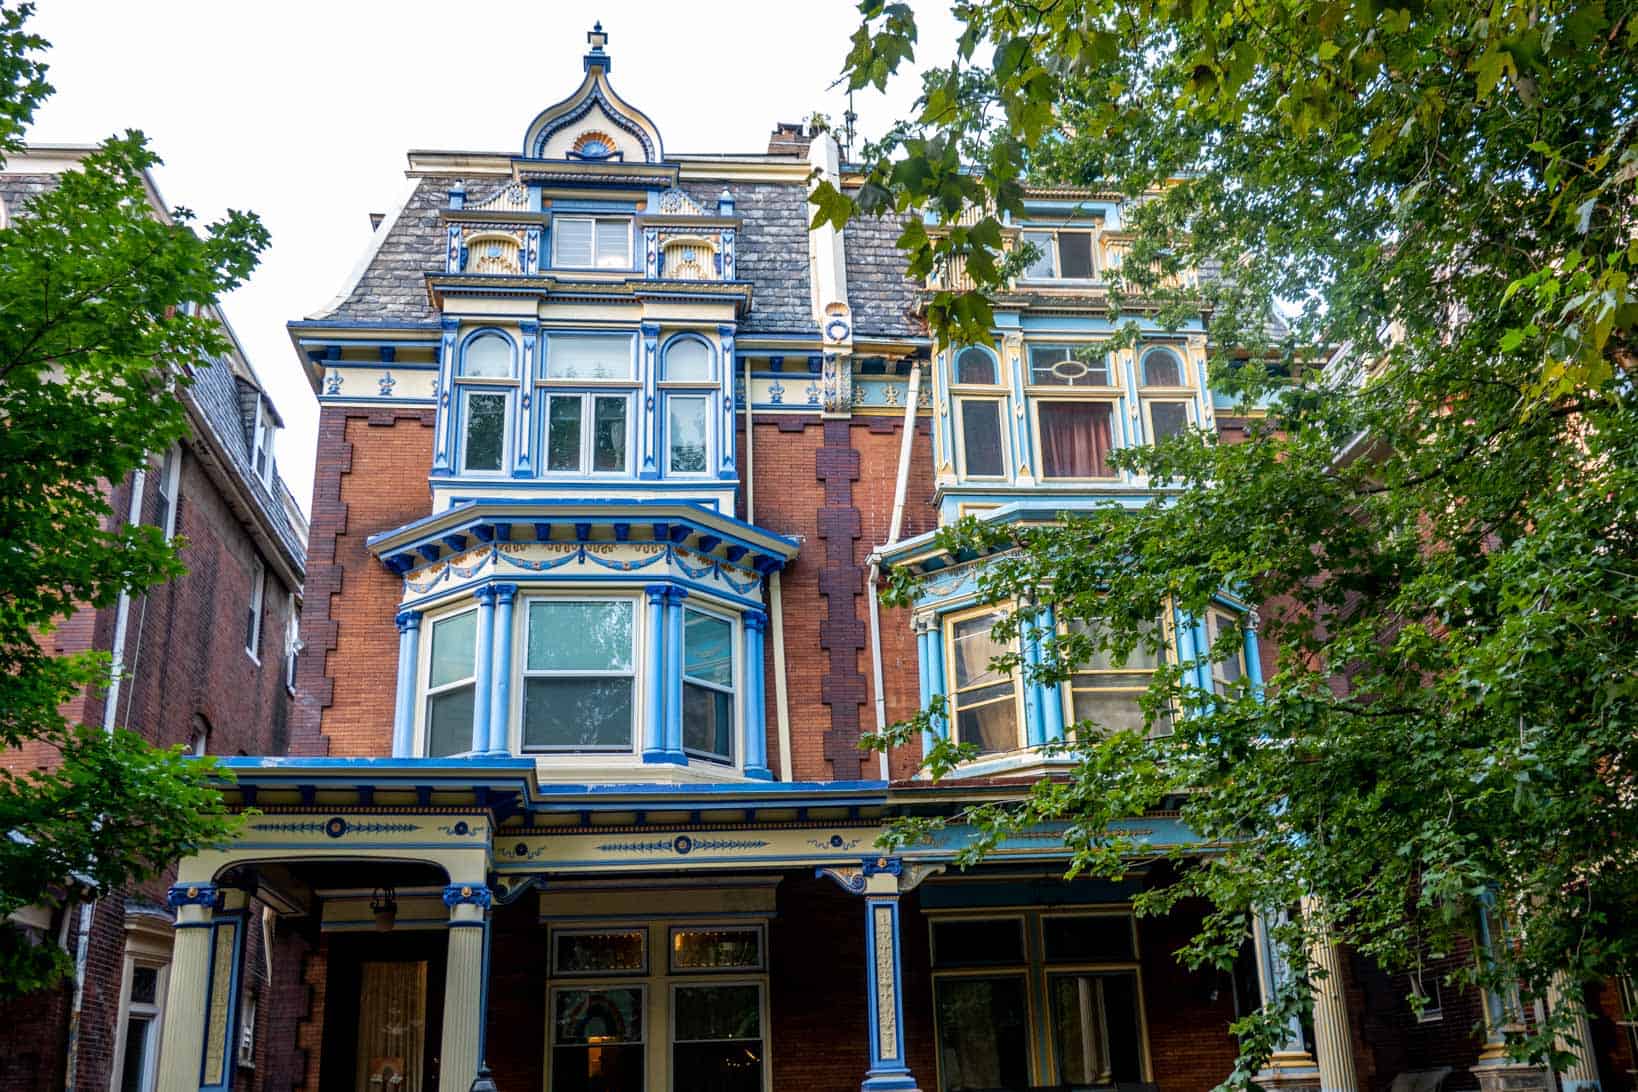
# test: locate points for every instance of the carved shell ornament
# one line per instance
(594, 144)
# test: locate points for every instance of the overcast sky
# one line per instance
(302, 111)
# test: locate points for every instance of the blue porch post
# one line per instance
(674, 597)
(1052, 698)
(403, 715)
(756, 721)
(500, 703)
(923, 677)
(485, 670)
(935, 674)
(654, 703)
(1034, 723)
(1254, 657)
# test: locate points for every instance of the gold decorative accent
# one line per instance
(597, 135)
(887, 1016)
(221, 979)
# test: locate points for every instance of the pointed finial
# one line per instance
(598, 40)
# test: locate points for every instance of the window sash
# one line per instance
(583, 443)
(1181, 428)
(972, 431)
(1157, 354)
(1069, 366)
(589, 358)
(699, 370)
(591, 242)
(984, 691)
(1225, 674)
(698, 414)
(479, 359)
(1045, 266)
(1057, 457)
(470, 395)
(613, 683)
(975, 353)
(253, 616)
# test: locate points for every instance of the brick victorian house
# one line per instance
(609, 446)
(205, 662)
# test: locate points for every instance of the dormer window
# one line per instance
(1060, 255)
(591, 242)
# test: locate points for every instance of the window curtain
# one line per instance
(392, 1014)
(1075, 439)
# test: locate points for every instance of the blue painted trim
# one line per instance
(409, 643)
(612, 578)
(500, 706)
(756, 721)
(1052, 697)
(654, 721)
(484, 668)
(233, 922)
(937, 680)
(884, 1073)
(673, 674)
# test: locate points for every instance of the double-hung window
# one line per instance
(689, 389)
(1069, 981)
(984, 700)
(591, 242)
(170, 489)
(578, 675)
(1063, 254)
(1106, 692)
(485, 382)
(981, 417)
(253, 609)
(1075, 398)
(708, 686)
(589, 388)
(451, 684)
(292, 643)
(1167, 397)
(139, 1060)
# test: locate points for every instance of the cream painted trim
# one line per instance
(744, 170)
(148, 944)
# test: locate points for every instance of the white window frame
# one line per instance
(1051, 252)
(423, 677)
(626, 263)
(585, 465)
(667, 396)
(735, 669)
(256, 609)
(466, 394)
(261, 456)
(144, 949)
(635, 673)
(170, 485)
(1004, 437)
(292, 643)
(952, 689)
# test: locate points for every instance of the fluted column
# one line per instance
(463, 985)
(500, 703)
(182, 1042)
(1333, 1045)
(485, 670)
(654, 691)
(403, 716)
(1290, 1066)
(1582, 1074)
(1496, 1071)
(756, 721)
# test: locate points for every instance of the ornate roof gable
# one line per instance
(594, 124)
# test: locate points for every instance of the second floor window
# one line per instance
(451, 684)
(591, 242)
(253, 610)
(708, 686)
(688, 383)
(485, 384)
(1060, 255)
(1106, 692)
(983, 700)
(590, 386)
(1167, 397)
(578, 675)
(1074, 396)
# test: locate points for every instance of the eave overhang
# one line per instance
(586, 290)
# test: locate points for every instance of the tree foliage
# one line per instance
(96, 345)
(1436, 512)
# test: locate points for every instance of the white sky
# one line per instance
(302, 111)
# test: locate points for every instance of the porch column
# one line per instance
(1582, 1073)
(485, 671)
(500, 702)
(924, 668)
(464, 983)
(403, 717)
(182, 1041)
(654, 690)
(1496, 1071)
(936, 683)
(756, 726)
(1332, 1042)
(674, 597)
(1291, 1066)
(1034, 725)
(1052, 697)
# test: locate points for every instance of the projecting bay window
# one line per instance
(451, 684)
(591, 242)
(579, 675)
(1075, 401)
(708, 686)
(984, 701)
(1069, 981)
(589, 391)
(485, 386)
(1063, 254)
(1168, 399)
(1104, 693)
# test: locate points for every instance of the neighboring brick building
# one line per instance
(608, 443)
(203, 662)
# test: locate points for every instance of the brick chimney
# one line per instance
(789, 138)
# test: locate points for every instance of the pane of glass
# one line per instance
(981, 439)
(708, 648)
(974, 649)
(449, 722)
(706, 1013)
(609, 434)
(135, 1066)
(563, 434)
(708, 721)
(565, 635)
(454, 644)
(1075, 254)
(993, 728)
(597, 1069)
(974, 365)
(390, 1014)
(1089, 938)
(686, 421)
(572, 241)
(688, 361)
(1111, 710)
(597, 1016)
(485, 431)
(580, 953)
(571, 356)
(614, 244)
(1041, 267)
(1095, 1028)
(963, 943)
(488, 357)
(578, 714)
(1226, 672)
(144, 985)
(1075, 439)
(1162, 368)
(1141, 658)
(1068, 366)
(982, 1037)
(1168, 419)
(728, 1066)
(716, 949)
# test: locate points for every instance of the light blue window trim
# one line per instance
(1024, 431)
(500, 703)
(409, 652)
(457, 390)
(725, 419)
(654, 699)
(1052, 695)
(485, 669)
(756, 720)
(648, 429)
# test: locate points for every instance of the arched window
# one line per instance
(687, 360)
(484, 391)
(487, 357)
(975, 365)
(1162, 368)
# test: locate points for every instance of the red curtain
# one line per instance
(1075, 439)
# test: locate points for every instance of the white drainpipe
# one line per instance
(905, 440)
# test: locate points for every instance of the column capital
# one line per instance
(656, 592)
(675, 594)
(193, 894)
(485, 595)
(408, 620)
(505, 593)
(467, 894)
(756, 621)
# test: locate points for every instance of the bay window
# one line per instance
(591, 242)
(579, 675)
(708, 686)
(451, 684)
(1074, 397)
(1167, 397)
(984, 701)
(1074, 986)
(485, 383)
(1060, 255)
(1106, 692)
